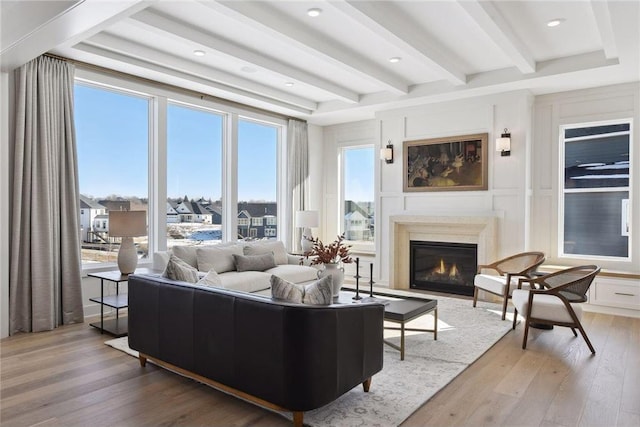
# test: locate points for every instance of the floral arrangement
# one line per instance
(333, 253)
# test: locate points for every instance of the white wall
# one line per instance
(552, 111)
(4, 204)
(508, 177)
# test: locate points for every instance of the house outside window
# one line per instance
(256, 222)
(358, 207)
(595, 180)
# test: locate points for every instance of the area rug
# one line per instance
(464, 334)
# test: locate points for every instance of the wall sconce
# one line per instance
(503, 144)
(386, 153)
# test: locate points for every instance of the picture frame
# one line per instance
(453, 163)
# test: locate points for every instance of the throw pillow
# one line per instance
(254, 262)
(211, 279)
(316, 293)
(275, 247)
(177, 269)
(218, 258)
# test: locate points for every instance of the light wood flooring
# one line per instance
(68, 377)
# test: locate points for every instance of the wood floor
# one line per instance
(68, 377)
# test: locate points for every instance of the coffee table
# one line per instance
(400, 309)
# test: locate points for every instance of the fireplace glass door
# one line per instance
(443, 267)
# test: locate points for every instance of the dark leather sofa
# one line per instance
(283, 356)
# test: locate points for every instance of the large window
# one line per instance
(357, 189)
(595, 190)
(257, 179)
(173, 155)
(112, 131)
(194, 175)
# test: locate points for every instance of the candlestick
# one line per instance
(357, 276)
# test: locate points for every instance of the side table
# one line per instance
(118, 326)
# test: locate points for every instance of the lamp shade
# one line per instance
(307, 219)
(127, 223)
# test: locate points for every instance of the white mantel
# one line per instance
(479, 230)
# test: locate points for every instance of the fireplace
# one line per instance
(443, 266)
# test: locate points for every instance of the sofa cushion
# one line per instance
(316, 293)
(219, 258)
(254, 262)
(188, 253)
(246, 281)
(211, 279)
(272, 246)
(177, 269)
(294, 273)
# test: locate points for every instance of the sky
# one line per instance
(112, 138)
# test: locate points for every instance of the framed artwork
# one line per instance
(454, 163)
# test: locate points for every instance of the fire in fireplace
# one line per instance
(443, 267)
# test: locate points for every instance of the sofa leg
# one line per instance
(143, 360)
(297, 418)
(366, 384)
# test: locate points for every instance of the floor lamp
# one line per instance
(127, 224)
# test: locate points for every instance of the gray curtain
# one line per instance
(297, 176)
(45, 264)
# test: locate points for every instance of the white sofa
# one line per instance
(220, 258)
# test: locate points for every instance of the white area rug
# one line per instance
(464, 334)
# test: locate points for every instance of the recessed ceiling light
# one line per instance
(555, 22)
(395, 59)
(199, 52)
(248, 69)
(288, 84)
(313, 12)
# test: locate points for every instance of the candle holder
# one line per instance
(357, 296)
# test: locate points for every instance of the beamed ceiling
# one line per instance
(335, 67)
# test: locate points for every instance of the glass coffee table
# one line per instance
(401, 310)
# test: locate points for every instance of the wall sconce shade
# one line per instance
(127, 224)
(503, 144)
(386, 153)
(306, 220)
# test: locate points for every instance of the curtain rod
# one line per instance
(171, 87)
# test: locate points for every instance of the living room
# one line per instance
(521, 193)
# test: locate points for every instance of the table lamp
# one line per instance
(127, 224)
(306, 220)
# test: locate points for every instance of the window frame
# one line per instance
(562, 191)
(159, 96)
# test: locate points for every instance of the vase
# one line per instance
(337, 277)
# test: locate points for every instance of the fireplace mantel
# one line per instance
(480, 230)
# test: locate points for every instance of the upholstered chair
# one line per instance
(555, 299)
(509, 270)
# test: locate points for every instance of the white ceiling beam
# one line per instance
(383, 19)
(126, 47)
(259, 15)
(160, 24)
(487, 16)
(219, 90)
(83, 19)
(566, 69)
(603, 21)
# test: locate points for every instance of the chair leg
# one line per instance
(575, 334)
(515, 317)
(504, 306)
(475, 295)
(526, 333)
(586, 338)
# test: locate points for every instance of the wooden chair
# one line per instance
(510, 269)
(554, 299)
